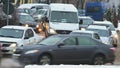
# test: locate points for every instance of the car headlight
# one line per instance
(52, 31)
(26, 25)
(31, 51)
(13, 45)
(37, 26)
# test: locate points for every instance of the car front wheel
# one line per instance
(44, 59)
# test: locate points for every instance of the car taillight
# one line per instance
(112, 49)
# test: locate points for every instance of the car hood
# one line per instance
(6, 39)
(105, 40)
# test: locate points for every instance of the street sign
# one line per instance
(8, 8)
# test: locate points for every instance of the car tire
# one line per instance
(44, 59)
(98, 60)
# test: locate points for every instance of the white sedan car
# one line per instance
(103, 31)
(16, 36)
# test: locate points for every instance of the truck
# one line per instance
(61, 18)
(12, 37)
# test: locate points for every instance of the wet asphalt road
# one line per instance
(10, 62)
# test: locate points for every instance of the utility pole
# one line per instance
(7, 12)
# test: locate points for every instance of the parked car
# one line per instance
(67, 49)
(105, 33)
(92, 34)
(17, 36)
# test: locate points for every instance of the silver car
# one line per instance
(92, 34)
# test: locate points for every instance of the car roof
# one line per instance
(97, 27)
(23, 14)
(84, 17)
(84, 31)
(69, 35)
(29, 6)
(102, 22)
(16, 27)
(62, 7)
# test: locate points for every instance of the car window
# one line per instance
(85, 41)
(101, 32)
(70, 41)
(96, 36)
(29, 33)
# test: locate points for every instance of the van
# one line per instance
(62, 18)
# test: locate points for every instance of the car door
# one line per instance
(32, 38)
(86, 48)
(28, 37)
(66, 52)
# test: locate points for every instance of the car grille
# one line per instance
(5, 50)
(63, 31)
(5, 44)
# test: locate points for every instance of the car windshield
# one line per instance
(25, 18)
(102, 33)
(50, 40)
(40, 12)
(23, 11)
(64, 17)
(12, 33)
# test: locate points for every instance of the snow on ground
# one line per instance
(72, 66)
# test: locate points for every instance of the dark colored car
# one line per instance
(25, 19)
(67, 49)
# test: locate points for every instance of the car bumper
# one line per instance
(7, 50)
(27, 59)
(110, 59)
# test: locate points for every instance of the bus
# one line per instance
(95, 10)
